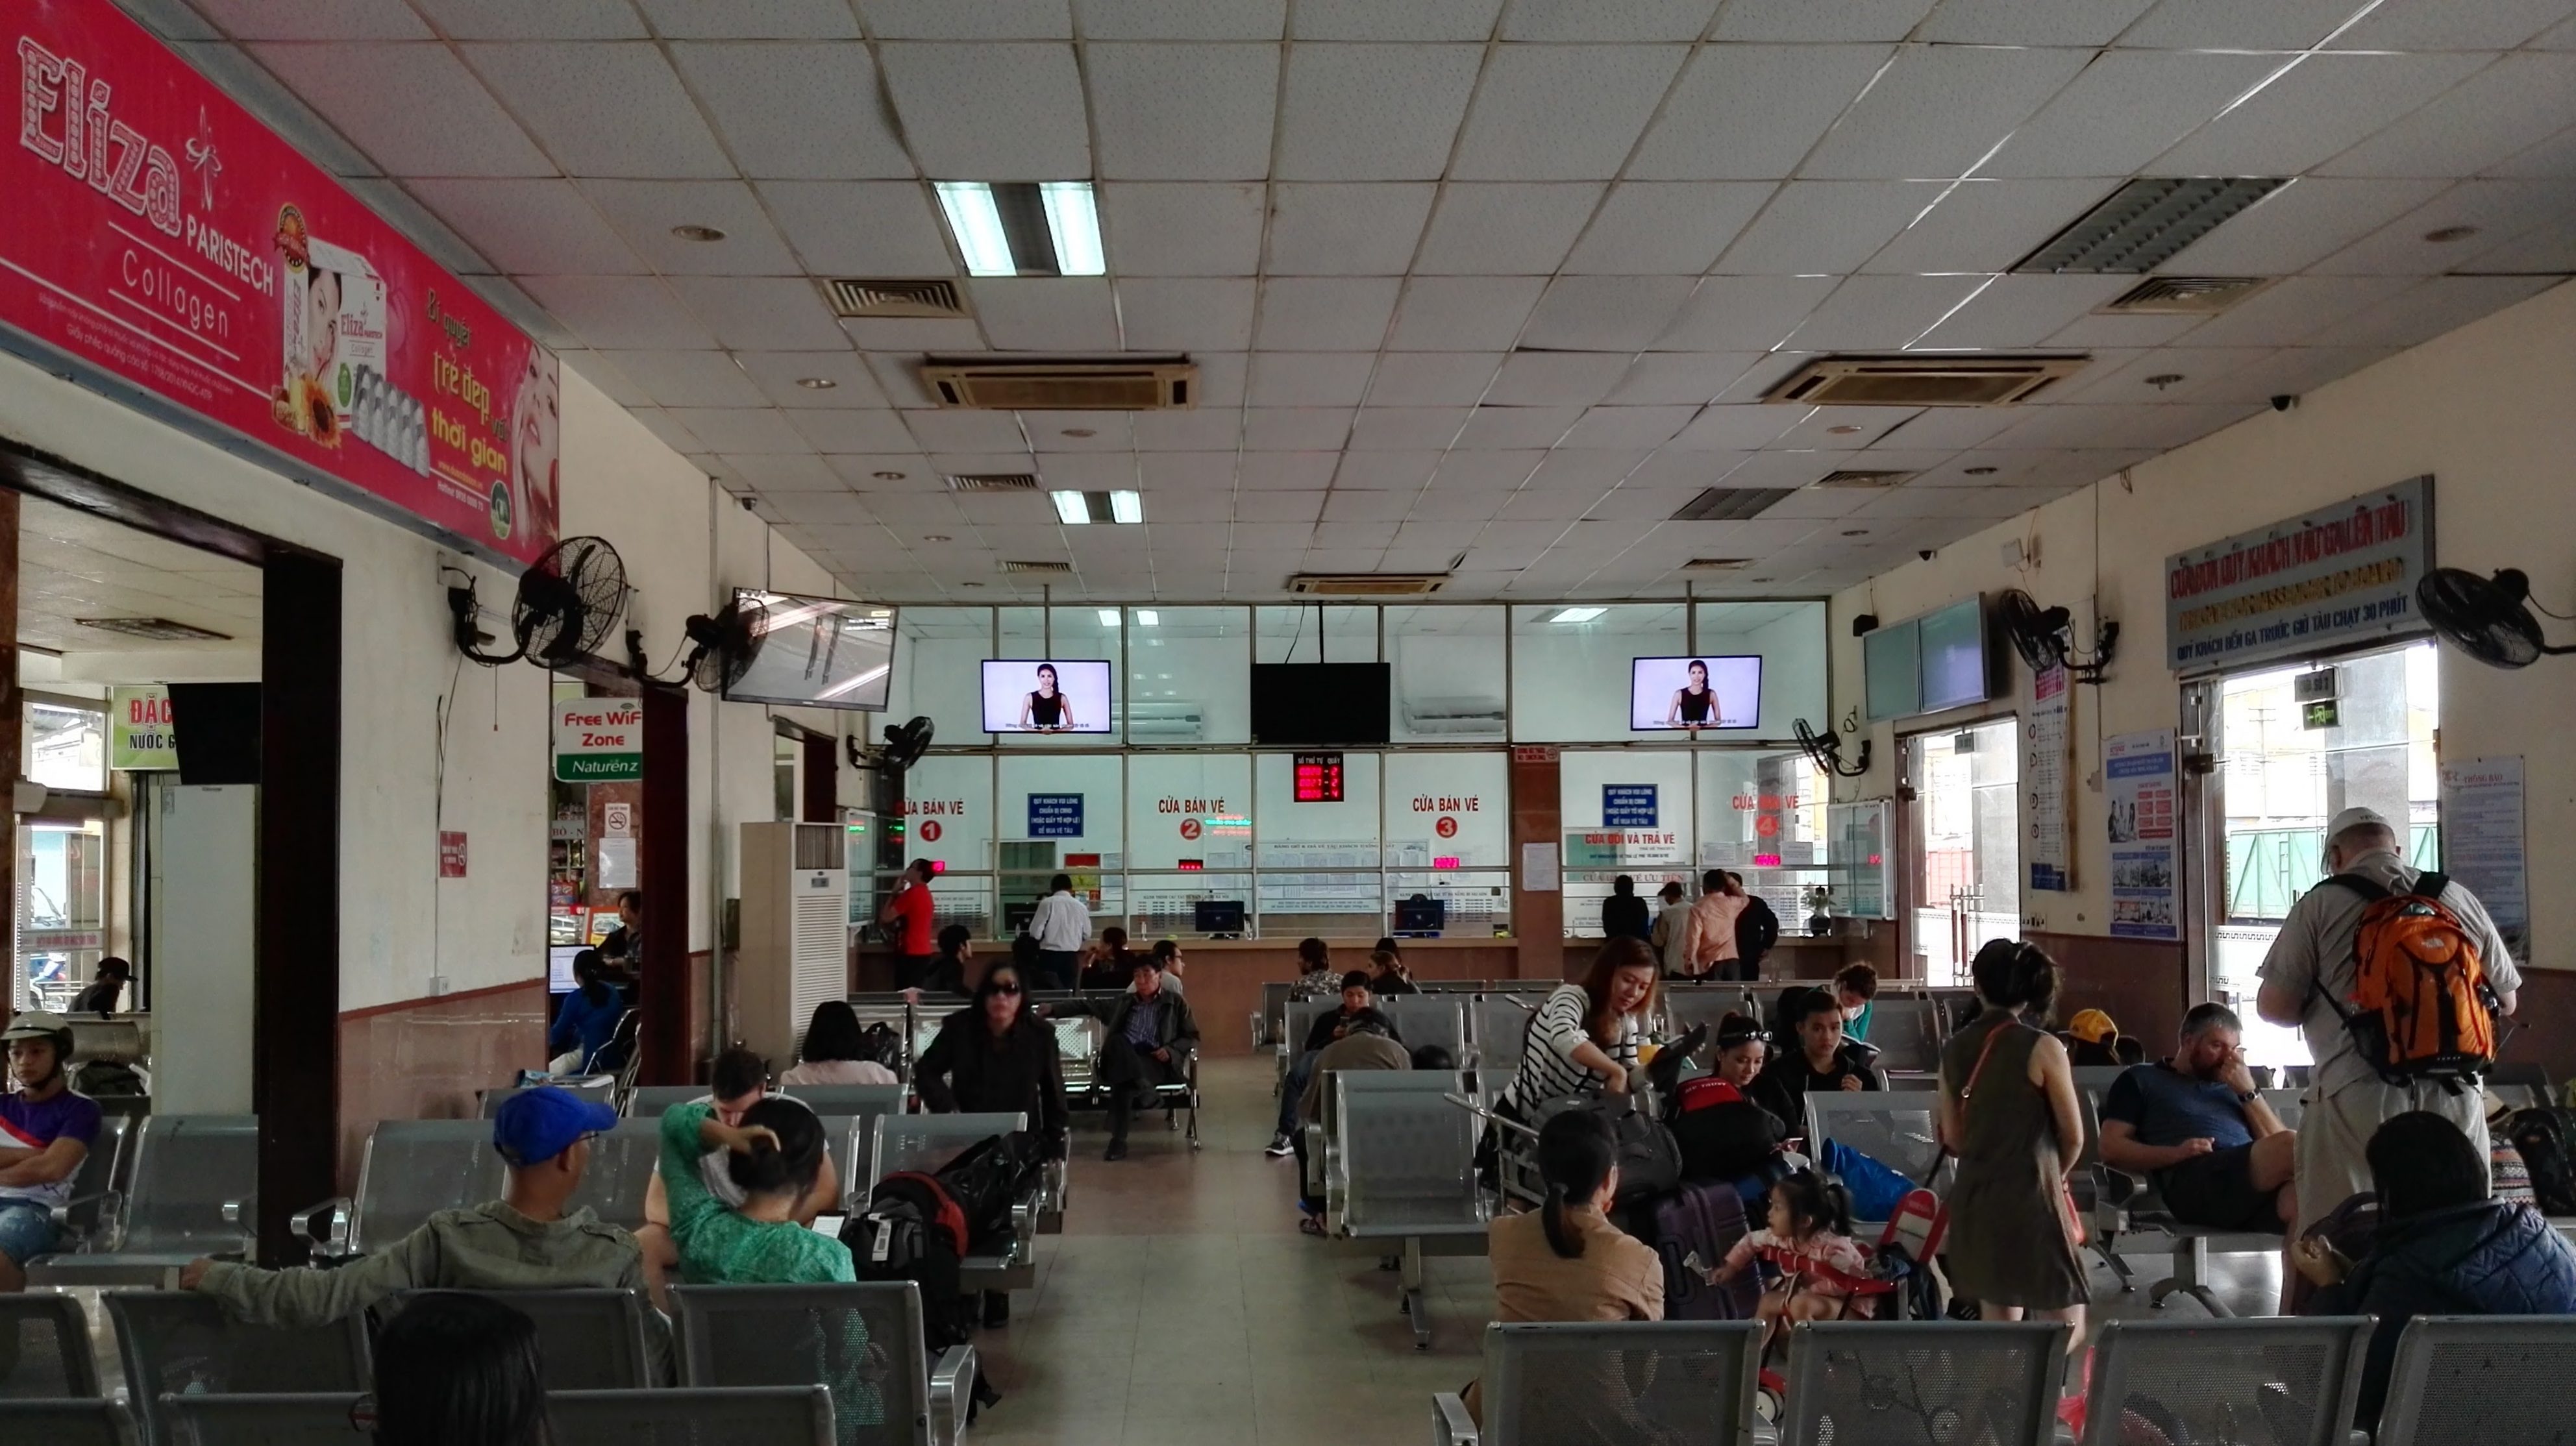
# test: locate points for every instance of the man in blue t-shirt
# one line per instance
(45, 1131)
(2196, 1126)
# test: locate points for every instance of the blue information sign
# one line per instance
(1628, 805)
(1055, 815)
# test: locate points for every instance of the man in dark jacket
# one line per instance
(1623, 914)
(2443, 1248)
(1756, 930)
(1151, 1037)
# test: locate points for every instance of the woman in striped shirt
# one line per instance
(1583, 1039)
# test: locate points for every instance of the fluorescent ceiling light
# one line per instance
(1075, 225)
(1126, 508)
(1147, 617)
(1578, 615)
(977, 225)
(1109, 617)
(1070, 509)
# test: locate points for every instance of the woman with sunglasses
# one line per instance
(994, 1055)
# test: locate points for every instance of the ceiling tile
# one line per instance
(2225, 25)
(757, 312)
(1183, 112)
(644, 213)
(1562, 112)
(1587, 22)
(1495, 428)
(2316, 110)
(338, 20)
(2498, 209)
(797, 111)
(596, 369)
(690, 379)
(1326, 313)
(2025, 310)
(984, 20)
(1552, 506)
(1655, 228)
(1505, 229)
(911, 469)
(1631, 502)
(1678, 378)
(864, 433)
(2435, 25)
(2431, 308)
(910, 334)
(2548, 247)
(990, 112)
(1826, 227)
(1589, 470)
(2555, 156)
(1735, 428)
(1180, 19)
(776, 472)
(1377, 20)
(1797, 20)
(1486, 471)
(1385, 471)
(1285, 471)
(1432, 379)
(602, 108)
(1310, 378)
(1751, 112)
(860, 228)
(2296, 309)
(614, 312)
(751, 19)
(529, 226)
(375, 93)
(740, 429)
(1375, 508)
(2094, 330)
(1182, 230)
(1552, 380)
(1088, 471)
(1186, 313)
(1047, 313)
(1295, 429)
(1988, 225)
(2029, 22)
(1606, 313)
(1373, 112)
(1346, 230)
(965, 431)
(1940, 109)
(1454, 505)
(518, 20)
(1464, 313)
(2299, 225)
(2124, 110)
(1402, 429)
(671, 433)
(2516, 103)
(1950, 427)
(1199, 429)
(1881, 313)
(1744, 313)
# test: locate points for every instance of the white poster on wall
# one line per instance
(1538, 868)
(2044, 766)
(2482, 842)
(2138, 769)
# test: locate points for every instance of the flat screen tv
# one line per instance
(1046, 695)
(1704, 692)
(1892, 671)
(1320, 704)
(817, 652)
(1956, 670)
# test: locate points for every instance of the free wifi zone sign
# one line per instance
(599, 740)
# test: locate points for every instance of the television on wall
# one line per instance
(1957, 670)
(1046, 695)
(816, 652)
(1702, 692)
(1321, 704)
(1892, 671)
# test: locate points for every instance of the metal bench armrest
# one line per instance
(110, 1204)
(952, 1391)
(1450, 1423)
(333, 1242)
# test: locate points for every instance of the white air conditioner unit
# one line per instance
(1473, 716)
(795, 950)
(1165, 720)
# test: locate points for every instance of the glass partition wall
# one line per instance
(1177, 805)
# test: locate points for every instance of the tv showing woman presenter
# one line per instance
(1695, 693)
(1031, 695)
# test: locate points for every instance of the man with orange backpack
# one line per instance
(2398, 979)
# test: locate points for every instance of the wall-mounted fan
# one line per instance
(722, 646)
(2045, 637)
(2485, 617)
(568, 601)
(905, 743)
(1826, 751)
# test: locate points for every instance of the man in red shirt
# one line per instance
(908, 927)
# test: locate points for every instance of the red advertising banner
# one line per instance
(159, 233)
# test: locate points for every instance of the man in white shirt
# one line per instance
(1061, 926)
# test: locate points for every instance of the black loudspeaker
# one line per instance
(1864, 625)
(217, 731)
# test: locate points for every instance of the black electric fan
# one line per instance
(723, 645)
(906, 742)
(1826, 750)
(2045, 637)
(2485, 617)
(568, 601)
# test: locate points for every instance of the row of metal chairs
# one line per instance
(787, 1415)
(153, 1193)
(862, 1344)
(2288, 1382)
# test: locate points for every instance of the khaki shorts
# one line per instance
(2334, 1136)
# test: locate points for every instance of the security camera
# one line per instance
(2285, 402)
(1925, 554)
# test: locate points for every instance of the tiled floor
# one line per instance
(1182, 1306)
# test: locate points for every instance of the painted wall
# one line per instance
(2485, 410)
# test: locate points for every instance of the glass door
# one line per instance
(62, 909)
(1967, 844)
(2286, 764)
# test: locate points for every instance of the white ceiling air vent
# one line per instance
(1728, 504)
(1128, 385)
(1052, 569)
(2185, 295)
(1716, 564)
(1854, 477)
(1367, 584)
(992, 482)
(159, 630)
(2142, 225)
(1454, 717)
(853, 296)
(1166, 720)
(1947, 380)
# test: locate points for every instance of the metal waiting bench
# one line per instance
(600, 1087)
(50, 1355)
(772, 1416)
(1424, 1019)
(191, 1190)
(1408, 1169)
(2129, 1207)
(843, 1337)
(180, 1345)
(1079, 1039)
(1894, 1127)
(590, 1339)
(1501, 1022)
(924, 1143)
(1994, 1383)
(1326, 1174)
(61, 1422)
(2208, 1380)
(1627, 1381)
(2460, 1379)
(412, 1169)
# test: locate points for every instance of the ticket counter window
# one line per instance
(1967, 845)
(2285, 767)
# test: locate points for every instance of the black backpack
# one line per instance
(2545, 1137)
(1650, 1163)
(987, 1177)
(878, 1043)
(900, 1237)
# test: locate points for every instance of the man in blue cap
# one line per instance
(522, 1241)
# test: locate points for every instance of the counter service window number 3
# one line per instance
(1319, 778)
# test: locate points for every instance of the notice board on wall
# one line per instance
(2045, 765)
(2482, 842)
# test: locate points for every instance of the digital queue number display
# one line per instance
(1319, 778)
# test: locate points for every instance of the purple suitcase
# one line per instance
(1703, 1218)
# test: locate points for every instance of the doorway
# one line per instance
(1966, 885)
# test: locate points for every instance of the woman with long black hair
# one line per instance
(994, 1056)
